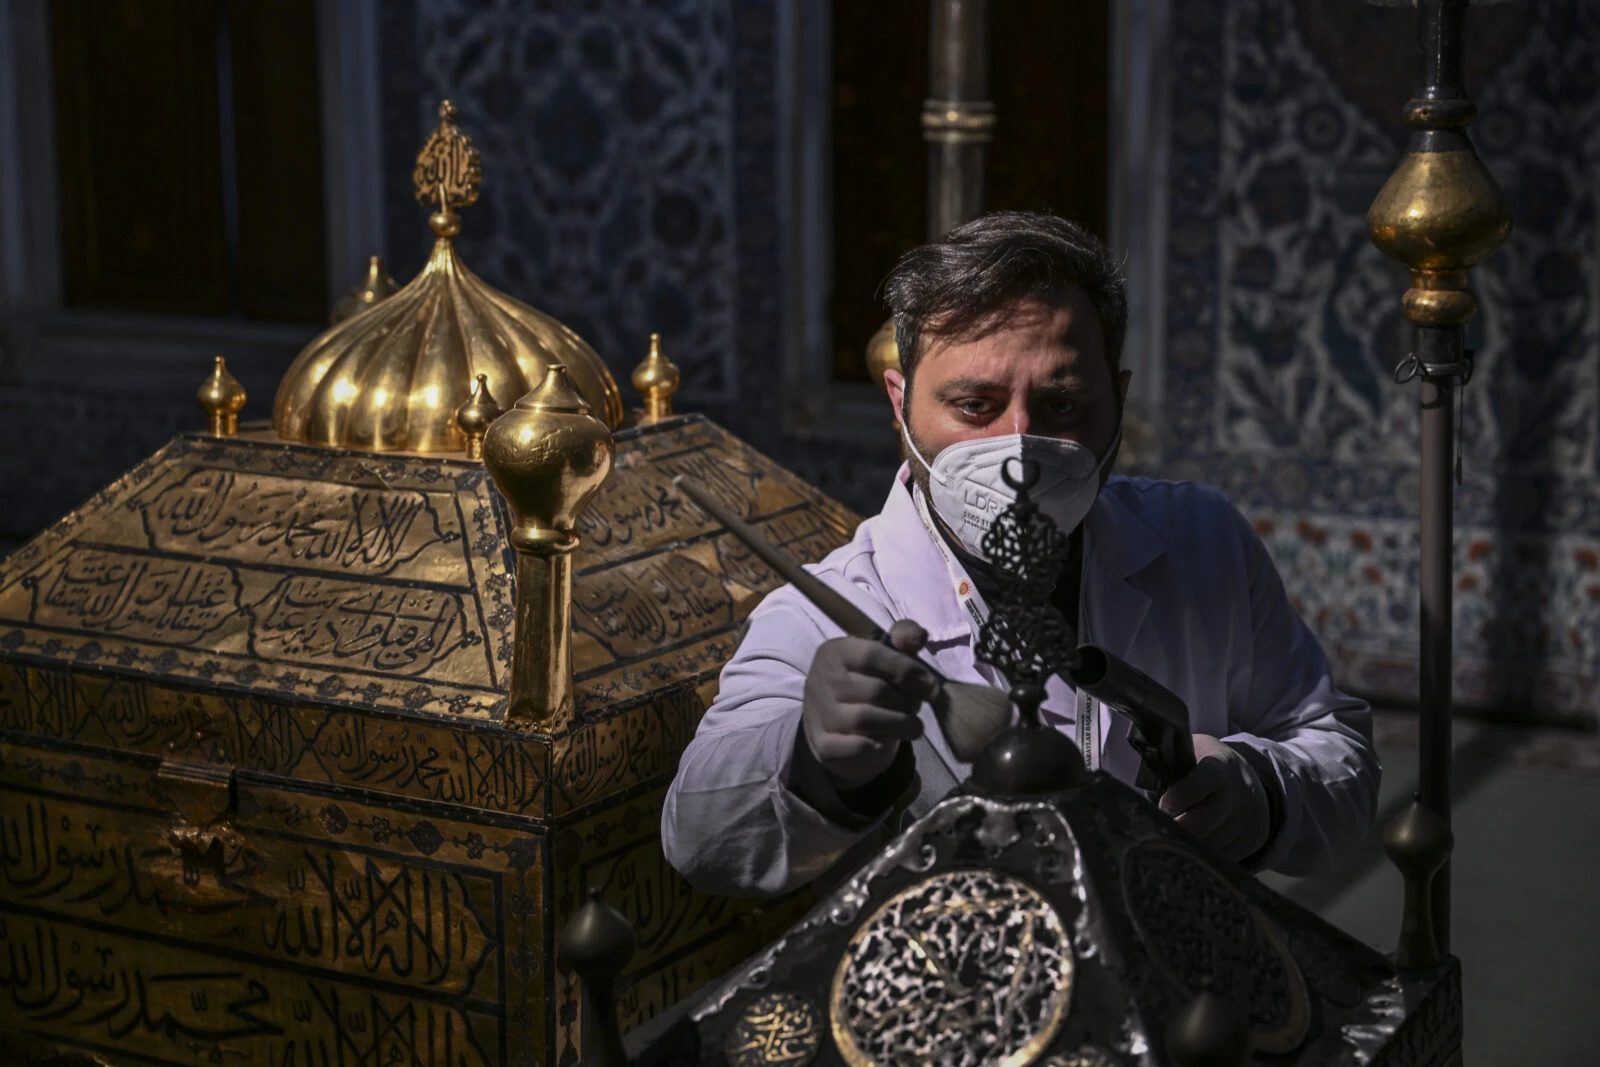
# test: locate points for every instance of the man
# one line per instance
(1010, 332)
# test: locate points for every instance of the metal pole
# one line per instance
(957, 118)
(1439, 214)
(1435, 655)
(957, 124)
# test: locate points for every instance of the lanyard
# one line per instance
(1087, 728)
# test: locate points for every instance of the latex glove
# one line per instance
(1221, 800)
(861, 702)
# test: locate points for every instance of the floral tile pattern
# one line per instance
(1310, 327)
(607, 133)
(1283, 327)
(1527, 609)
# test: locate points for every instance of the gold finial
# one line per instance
(883, 353)
(657, 379)
(222, 398)
(376, 286)
(449, 170)
(476, 414)
(548, 457)
(1440, 213)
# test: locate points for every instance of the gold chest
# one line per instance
(259, 802)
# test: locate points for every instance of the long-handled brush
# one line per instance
(969, 715)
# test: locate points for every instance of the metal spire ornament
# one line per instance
(1025, 638)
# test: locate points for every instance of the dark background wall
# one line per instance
(631, 185)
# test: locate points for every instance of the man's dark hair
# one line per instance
(964, 284)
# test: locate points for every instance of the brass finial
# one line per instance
(657, 379)
(1418, 842)
(476, 414)
(1441, 211)
(376, 286)
(222, 398)
(449, 170)
(548, 456)
(883, 354)
(597, 943)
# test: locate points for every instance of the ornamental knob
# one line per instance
(548, 456)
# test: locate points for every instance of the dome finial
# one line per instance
(222, 398)
(376, 285)
(476, 414)
(657, 379)
(449, 171)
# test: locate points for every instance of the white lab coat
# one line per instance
(1174, 581)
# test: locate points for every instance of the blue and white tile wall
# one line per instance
(1283, 327)
(630, 186)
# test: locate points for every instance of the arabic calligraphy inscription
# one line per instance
(776, 1029)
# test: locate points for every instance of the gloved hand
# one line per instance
(1221, 800)
(861, 702)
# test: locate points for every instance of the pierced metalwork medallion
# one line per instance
(1203, 933)
(778, 1028)
(968, 968)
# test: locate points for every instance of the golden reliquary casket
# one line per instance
(310, 741)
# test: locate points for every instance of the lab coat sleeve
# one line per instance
(1316, 739)
(730, 824)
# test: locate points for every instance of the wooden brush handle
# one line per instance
(845, 615)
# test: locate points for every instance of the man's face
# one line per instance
(1043, 372)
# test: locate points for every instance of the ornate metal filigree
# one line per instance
(970, 968)
(1204, 934)
(1026, 638)
(776, 1029)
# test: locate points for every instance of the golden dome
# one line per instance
(392, 377)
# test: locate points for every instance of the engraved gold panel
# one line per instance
(318, 642)
(452, 763)
(327, 904)
(91, 990)
(385, 581)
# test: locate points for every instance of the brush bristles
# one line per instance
(970, 716)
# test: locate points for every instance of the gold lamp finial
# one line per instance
(657, 379)
(222, 398)
(393, 378)
(375, 286)
(476, 414)
(548, 456)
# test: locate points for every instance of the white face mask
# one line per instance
(968, 490)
